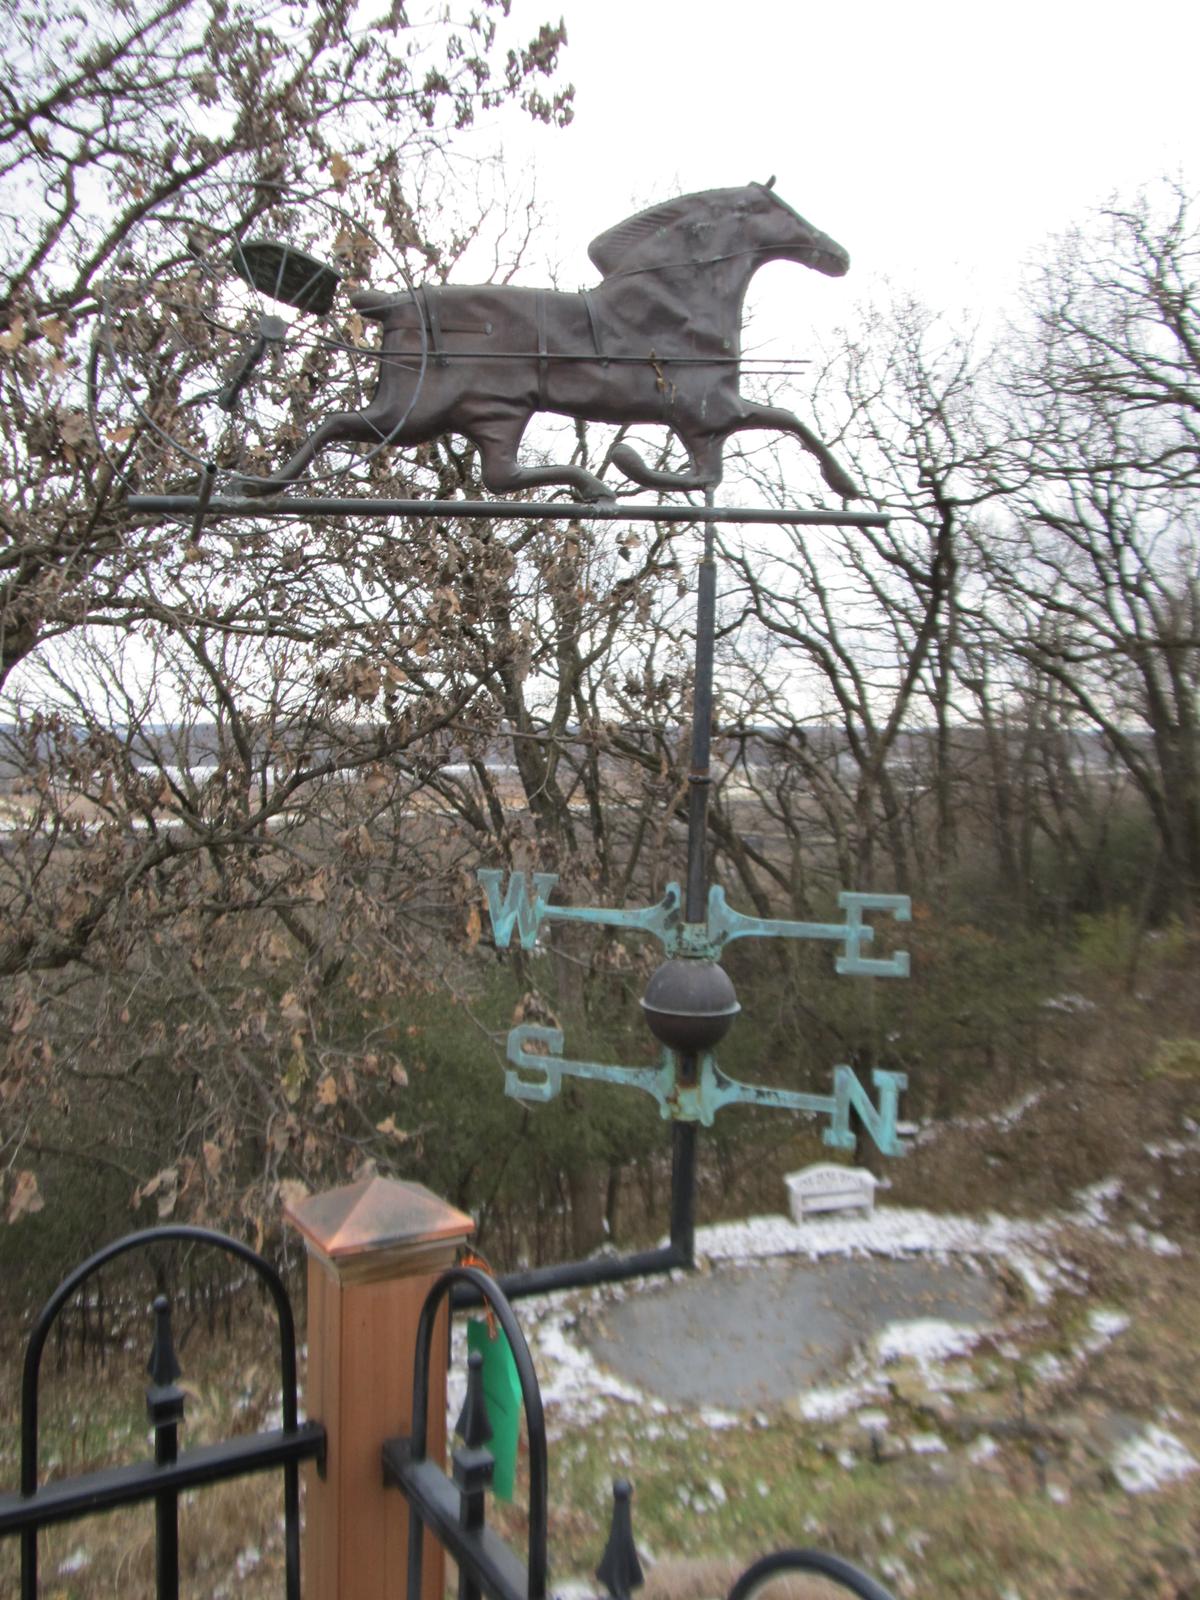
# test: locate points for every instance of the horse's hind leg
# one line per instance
(349, 425)
(706, 465)
(498, 438)
(754, 415)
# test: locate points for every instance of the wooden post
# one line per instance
(375, 1249)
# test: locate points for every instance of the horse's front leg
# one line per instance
(754, 415)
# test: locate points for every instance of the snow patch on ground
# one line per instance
(573, 1382)
(925, 1340)
(1104, 1326)
(1148, 1239)
(837, 1400)
(247, 1560)
(1151, 1459)
(926, 1444)
(712, 1417)
(1072, 1004)
(876, 1421)
(894, 1231)
(1002, 1121)
(1095, 1201)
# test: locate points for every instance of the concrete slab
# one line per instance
(742, 1337)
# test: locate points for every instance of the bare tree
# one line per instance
(1097, 555)
(103, 120)
(866, 623)
(217, 871)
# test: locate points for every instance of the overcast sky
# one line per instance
(940, 141)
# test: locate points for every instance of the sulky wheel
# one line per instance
(226, 332)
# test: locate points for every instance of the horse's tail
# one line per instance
(377, 303)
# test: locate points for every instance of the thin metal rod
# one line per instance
(208, 482)
(683, 1143)
(509, 510)
(700, 771)
(395, 358)
(683, 1193)
(166, 1518)
(578, 1274)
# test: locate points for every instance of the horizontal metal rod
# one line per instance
(510, 510)
(579, 1275)
(480, 1553)
(89, 1492)
(754, 366)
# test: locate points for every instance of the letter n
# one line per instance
(880, 1122)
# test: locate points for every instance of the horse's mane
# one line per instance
(619, 246)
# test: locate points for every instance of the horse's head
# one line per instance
(783, 235)
(716, 226)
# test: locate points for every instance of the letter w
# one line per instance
(516, 906)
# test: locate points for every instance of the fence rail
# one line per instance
(450, 1506)
(171, 1472)
(453, 1506)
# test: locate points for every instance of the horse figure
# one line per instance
(657, 341)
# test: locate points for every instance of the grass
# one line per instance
(93, 1414)
(709, 1501)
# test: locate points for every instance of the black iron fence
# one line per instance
(452, 1506)
(171, 1472)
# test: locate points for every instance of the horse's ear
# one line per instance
(770, 183)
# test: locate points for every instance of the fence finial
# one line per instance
(163, 1365)
(474, 1426)
(620, 1570)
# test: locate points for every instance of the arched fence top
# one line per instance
(177, 1233)
(780, 1562)
(531, 1399)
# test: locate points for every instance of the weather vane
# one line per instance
(689, 1005)
(240, 295)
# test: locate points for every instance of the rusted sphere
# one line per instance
(690, 1005)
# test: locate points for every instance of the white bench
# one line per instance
(830, 1188)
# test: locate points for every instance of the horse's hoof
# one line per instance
(626, 459)
(595, 492)
(842, 484)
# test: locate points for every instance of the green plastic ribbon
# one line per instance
(502, 1392)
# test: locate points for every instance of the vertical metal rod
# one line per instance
(467, 1590)
(29, 1572)
(208, 482)
(700, 771)
(166, 1518)
(164, 1403)
(291, 1531)
(683, 1192)
(416, 1551)
(683, 1146)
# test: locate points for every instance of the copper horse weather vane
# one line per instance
(656, 341)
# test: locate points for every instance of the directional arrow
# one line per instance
(712, 1091)
(517, 907)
